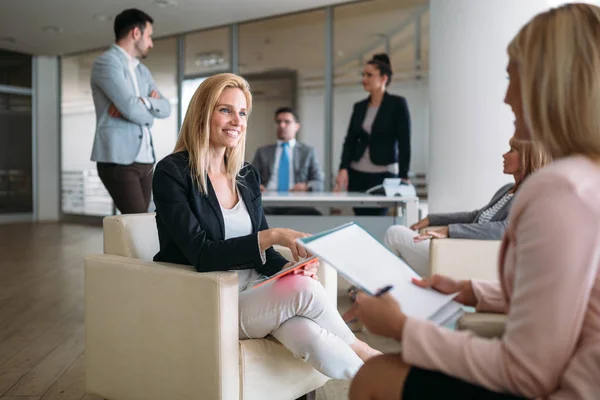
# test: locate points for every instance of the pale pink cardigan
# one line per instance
(550, 289)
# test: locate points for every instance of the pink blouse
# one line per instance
(549, 287)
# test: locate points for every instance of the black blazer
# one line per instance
(389, 141)
(190, 225)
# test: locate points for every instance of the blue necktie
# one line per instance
(283, 179)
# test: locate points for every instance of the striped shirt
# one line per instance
(488, 214)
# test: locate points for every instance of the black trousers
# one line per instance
(129, 186)
(361, 182)
(423, 384)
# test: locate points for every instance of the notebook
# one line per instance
(370, 266)
(285, 271)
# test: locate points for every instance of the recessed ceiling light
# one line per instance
(165, 3)
(8, 39)
(52, 30)
(102, 18)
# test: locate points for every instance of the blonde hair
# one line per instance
(194, 136)
(532, 156)
(557, 55)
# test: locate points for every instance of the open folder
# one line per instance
(370, 266)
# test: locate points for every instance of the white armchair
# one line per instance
(158, 331)
(469, 259)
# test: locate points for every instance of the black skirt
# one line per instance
(423, 384)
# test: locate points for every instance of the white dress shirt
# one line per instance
(145, 155)
(273, 184)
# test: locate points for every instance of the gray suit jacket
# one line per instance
(118, 140)
(463, 225)
(306, 166)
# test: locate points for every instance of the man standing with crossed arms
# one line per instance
(126, 102)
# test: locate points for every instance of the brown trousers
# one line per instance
(128, 185)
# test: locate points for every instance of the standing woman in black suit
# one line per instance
(377, 145)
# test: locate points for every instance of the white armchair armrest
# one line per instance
(140, 312)
(483, 324)
(469, 259)
(464, 258)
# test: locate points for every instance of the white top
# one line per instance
(145, 155)
(365, 164)
(238, 223)
(273, 184)
(487, 215)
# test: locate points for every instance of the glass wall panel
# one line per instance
(401, 29)
(283, 59)
(16, 194)
(207, 51)
(15, 69)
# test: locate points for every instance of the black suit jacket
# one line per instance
(389, 141)
(190, 225)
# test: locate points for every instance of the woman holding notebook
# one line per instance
(549, 282)
(209, 214)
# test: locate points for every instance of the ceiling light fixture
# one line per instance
(52, 30)
(102, 18)
(165, 3)
(209, 59)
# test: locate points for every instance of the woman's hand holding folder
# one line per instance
(447, 285)
(309, 270)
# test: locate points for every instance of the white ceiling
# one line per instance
(25, 20)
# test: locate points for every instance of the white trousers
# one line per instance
(296, 311)
(399, 239)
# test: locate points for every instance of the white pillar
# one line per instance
(47, 147)
(469, 123)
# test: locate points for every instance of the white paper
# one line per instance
(369, 265)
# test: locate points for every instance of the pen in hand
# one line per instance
(383, 290)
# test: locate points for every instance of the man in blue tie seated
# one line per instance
(288, 165)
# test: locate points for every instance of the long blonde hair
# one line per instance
(194, 136)
(532, 156)
(557, 55)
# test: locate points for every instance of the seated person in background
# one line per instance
(288, 165)
(488, 223)
(209, 214)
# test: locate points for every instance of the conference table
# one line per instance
(406, 210)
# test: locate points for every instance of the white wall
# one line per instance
(47, 138)
(470, 124)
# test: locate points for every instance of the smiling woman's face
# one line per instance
(229, 119)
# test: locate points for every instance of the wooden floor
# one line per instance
(41, 313)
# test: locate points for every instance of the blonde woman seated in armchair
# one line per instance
(488, 223)
(209, 215)
(549, 264)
